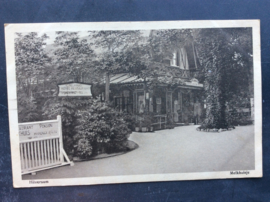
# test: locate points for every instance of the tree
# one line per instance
(112, 45)
(226, 57)
(160, 47)
(31, 62)
(74, 57)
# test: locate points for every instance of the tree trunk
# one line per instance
(107, 87)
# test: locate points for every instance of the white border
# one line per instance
(10, 29)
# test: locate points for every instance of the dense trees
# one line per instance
(32, 63)
(225, 56)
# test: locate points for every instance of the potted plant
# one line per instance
(170, 122)
(148, 120)
(145, 126)
(137, 126)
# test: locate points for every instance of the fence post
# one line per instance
(60, 138)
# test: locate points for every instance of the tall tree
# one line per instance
(226, 56)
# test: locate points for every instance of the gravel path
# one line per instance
(178, 150)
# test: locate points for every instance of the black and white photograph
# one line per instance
(98, 103)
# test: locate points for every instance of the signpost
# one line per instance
(74, 89)
(41, 146)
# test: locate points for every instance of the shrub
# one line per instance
(130, 120)
(83, 148)
(102, 124)
(68, 108)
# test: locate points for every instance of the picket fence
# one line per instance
(41, 153)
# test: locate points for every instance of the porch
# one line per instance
(167, 105)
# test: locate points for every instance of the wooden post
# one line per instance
(60, 138)
(107, 87)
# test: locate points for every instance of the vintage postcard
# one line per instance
(119, 102)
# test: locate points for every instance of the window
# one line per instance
(123, 103)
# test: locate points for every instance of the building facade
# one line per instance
(182, 100)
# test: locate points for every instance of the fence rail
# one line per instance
(42, 153)
(160, 120)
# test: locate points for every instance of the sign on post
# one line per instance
(41, 146)
(74, 89)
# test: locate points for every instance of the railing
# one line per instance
(41, 146)
(184, 73)
(36, 154)
(160, 120)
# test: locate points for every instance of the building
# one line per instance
(177, 96)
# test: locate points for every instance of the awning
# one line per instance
(124, 78)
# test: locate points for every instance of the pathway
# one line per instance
(178, 150)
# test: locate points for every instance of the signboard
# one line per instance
(194, 82)
(74, 89)
(41, 146)
(38, 130)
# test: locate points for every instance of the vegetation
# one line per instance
(226, 57)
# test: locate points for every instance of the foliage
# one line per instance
(69, 109)
(83, 148)
(27, 108)
(226, 55)
(31, 63)
(101, 124)
(74, 57)
(115, 54)
(170, 122)
(160, 47)
(130, 119)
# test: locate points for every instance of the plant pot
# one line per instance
(137, 129)
(144, 129)
(151, 129)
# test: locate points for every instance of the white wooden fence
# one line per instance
(41, 146)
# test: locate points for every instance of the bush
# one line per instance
(83, 148)
(130, 120)
(101, 124)
(68, 108)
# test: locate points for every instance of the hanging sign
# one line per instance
(74, 89)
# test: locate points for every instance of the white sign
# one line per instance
(194, 82)
(38, 130)
(41, 146)
(74, 89)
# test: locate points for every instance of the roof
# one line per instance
(125, 78)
